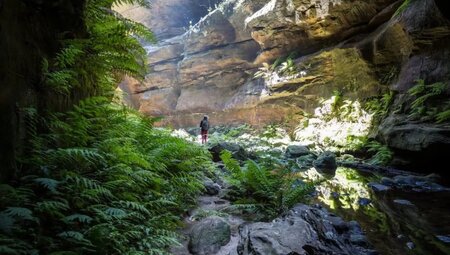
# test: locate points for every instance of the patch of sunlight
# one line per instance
(323, 7)
(334, 127)
(268, 8)
(226, 7)
(183, 134)
(346, 190)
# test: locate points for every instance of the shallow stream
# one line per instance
(396, 221)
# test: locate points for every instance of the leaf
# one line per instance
(52, 207)
(50, 184)
(115, 212)
(19, 212)
(74, 236)
(78, 218)
(6, 222)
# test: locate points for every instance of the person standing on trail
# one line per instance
(204, 125)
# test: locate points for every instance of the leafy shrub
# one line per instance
(427, 102)
(267, 189)
(101, 181)
(96, 64)
(382, 153)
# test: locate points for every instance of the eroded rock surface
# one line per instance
(304, 230)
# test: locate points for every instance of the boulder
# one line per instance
(326, 163)
(211, 188)
(208, 235)
(295, 151)
(236, 150)
(304, 230)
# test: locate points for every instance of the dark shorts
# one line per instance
(204, 132)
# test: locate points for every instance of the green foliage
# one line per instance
(337, 101)
(445, 115)
(282, 65)
(95, 64)
(265, 191)
(380, 106)
(270, 131)
(427, 101)
(288, 67)
(236, 131)
(100, 181)
(232, 165)
(382, 155)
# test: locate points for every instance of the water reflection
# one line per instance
(396, 221)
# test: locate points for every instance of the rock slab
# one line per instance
(209, 235)
(304, 230)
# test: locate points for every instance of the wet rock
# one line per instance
(209, 235)
(211, 188)
(403, 202)
(304, 230)
(354, 227)
(364, 201)
(378, 187)
(236, 150)
(326, 164)
(417, 183)
(339, 224)
(358, 239)
(295, 151)
(387, 181)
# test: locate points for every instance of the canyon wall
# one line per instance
(360, 49)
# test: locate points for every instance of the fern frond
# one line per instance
(50, 184)
(81, 218)
(19, 212)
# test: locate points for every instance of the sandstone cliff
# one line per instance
(359, 48)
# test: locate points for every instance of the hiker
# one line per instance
(204, 125)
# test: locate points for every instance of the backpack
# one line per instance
(204, 125)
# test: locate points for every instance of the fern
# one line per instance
(81, 218)
(427, 100)
(19, 212)
(271, 192)
(115, 212)
(50, 184)
(231, 164)
(382, 154)
(443, 116)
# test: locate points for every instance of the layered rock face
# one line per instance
(168, 18)
(210, 68)
(358, 48)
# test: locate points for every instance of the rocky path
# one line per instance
(304, 230)
(208, 229)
